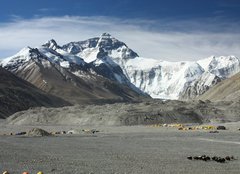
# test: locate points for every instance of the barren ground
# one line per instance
(123, 149)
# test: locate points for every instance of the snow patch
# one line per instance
(65, 64)
(89, 54)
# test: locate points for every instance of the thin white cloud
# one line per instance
(46, 9)
(154, 39)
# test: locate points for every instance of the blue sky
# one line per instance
(171, 30)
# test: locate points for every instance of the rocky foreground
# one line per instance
(128, 149)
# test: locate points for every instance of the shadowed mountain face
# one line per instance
(17, 94)
(227, 90)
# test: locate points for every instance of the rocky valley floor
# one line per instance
(125, 149)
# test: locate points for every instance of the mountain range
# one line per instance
(106, 69)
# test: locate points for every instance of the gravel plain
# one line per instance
(119, 149)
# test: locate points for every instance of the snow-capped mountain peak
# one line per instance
(223, 66)
(22, 56)
(52, 44)
(106, 41)
(204, 63)
(105, 36)
(112, 47)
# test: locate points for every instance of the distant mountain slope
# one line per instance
(226, 90)
(17, 94)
